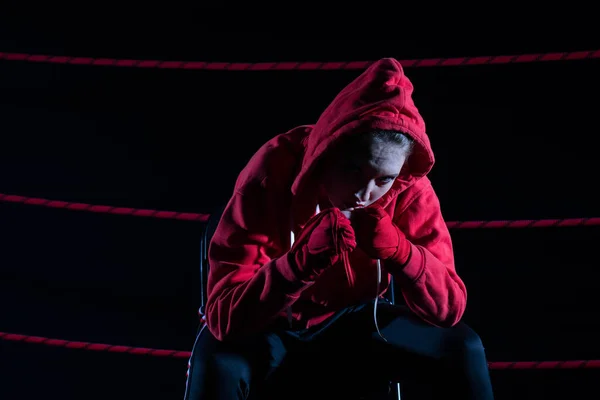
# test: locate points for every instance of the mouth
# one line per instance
(353, 206)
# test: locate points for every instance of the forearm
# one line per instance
(250, 306)
(431, 288)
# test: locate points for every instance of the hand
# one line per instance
(322, 242)
(378, 236)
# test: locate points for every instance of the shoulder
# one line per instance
(276, 162)
(421, 192)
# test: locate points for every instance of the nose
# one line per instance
(364, 194)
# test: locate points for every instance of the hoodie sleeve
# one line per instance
(429, 282)
(250, 278)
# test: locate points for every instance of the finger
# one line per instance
(347, 214)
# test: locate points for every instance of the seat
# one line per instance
(209, 229)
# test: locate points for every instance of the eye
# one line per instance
(385, 180)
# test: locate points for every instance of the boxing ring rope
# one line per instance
(524, 223)
(570, 364)
(302, 66)
(59, 204)
(104, 209)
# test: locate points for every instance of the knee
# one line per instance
(464, 342)
(230, 369)
(223, 376)
(214, 373)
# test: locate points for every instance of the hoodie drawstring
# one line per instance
(349, 275)
(349, 272)
(352, 278)
(377, 299)
(290, 316)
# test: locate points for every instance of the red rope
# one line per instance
(93, 346)
(525, 223)
(571, 364)
(301, 65)
(104, 209)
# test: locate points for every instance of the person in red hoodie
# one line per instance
(321, 219)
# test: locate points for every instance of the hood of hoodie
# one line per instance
(379, 98)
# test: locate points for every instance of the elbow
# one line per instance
(449, 320)
(454, 306)
(219, 328)
(222, 327)
(443, 314)
(216, 324)
(441, 318)
(220, 335)
(221, 332)
(226, 334)
(452, 315)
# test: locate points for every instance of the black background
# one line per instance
(513, 141)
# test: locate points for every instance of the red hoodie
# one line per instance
(250, 280)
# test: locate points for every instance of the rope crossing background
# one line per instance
(203, 218)
(570, 364)
(525, 223)
(34, 201)
(302, 66)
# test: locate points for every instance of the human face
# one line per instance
(359, 173)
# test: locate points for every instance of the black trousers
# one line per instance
(344, 356)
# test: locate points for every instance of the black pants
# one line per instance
(344, 356)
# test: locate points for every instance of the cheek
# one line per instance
(379, 192)
(339, 189)
(334, 184)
